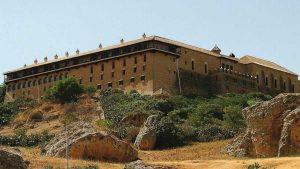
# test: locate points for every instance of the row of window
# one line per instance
(120, 82)
(276, 84)
(205, 67)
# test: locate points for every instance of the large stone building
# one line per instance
(153, 65)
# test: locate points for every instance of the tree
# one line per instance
(65, 91)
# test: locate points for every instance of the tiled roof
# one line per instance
(251, 59)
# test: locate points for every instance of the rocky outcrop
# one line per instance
(85, 143)
(146, 138)
(273, 128)
(140, 165)
(12, 158)
(135, 119)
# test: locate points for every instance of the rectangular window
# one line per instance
(124, 72)
(121, 82)
(227, 67)
(135, 60)
(205, 68)
(101, 77)
(124, 62)
(257, 79)
(99, 86)
(193, 65)
(134, 70)
(109, 84)
(92, 70)
(91, 78)
(293, 88)
(231, 68)
(24, 85)
(102, 67)
(112, 74)
(266, 81)
(132, 80)
(145, 58)
(284, 86)
(275, 83)
(143, 77)
(80, 81)
(113, 65)
(144, 67)
(223, 65)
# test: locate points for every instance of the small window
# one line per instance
(80, 81)
(143, 77)
(124, 62)
(92, 69)
(45, 80)
(132, 80)
(55, 78)
(34, 82)
(24, 85)
(135, 60)
(91, 78)
(145, 58)
(266, 81)
(257, 79)
(284, 86)
(112, 74)
(124, 72)
(101, 77)
(109, 84)
(99, 86)
(39, 81)
(193, 65)
(293, 88)
(121, 82)
(113, 65)
(205, 68)
(144, 68)
(134, 70)
(29, 84)
(102, 67)
(275, 83)
(50, 79)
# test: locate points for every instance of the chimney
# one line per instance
(77, 51)
(100, 46)
(35, 61)
(67, 54)
(55, 56)
(232, 55)
(144, 35)
(216, 50)
(45, 59)
(122, 40)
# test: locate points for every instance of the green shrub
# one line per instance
(212, 133)
(69, 118)
(233, 118)
(90, 90)
(255, 166)
(2, 93)
(65, 91)
(164, 106)
(36, 116)
(168, 134)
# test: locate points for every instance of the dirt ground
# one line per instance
(193, 156)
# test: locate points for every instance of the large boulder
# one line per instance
(85, 143)
(273, 128)
(146, 138)
(139, 164)
(12, 158)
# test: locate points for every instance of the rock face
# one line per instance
(12, 158)
(273, 128)
(140, 165)
(146, 138)
(85, 143)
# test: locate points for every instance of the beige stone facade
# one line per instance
(154, 65)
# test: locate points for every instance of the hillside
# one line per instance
(190, 132)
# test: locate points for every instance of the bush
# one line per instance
(36, 116)
(2, 93)
(65, 91)
(168, 134)
(212, 133)
(255, 166)
(233, 118)
(90, 90)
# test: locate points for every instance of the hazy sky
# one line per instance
(32, 29)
